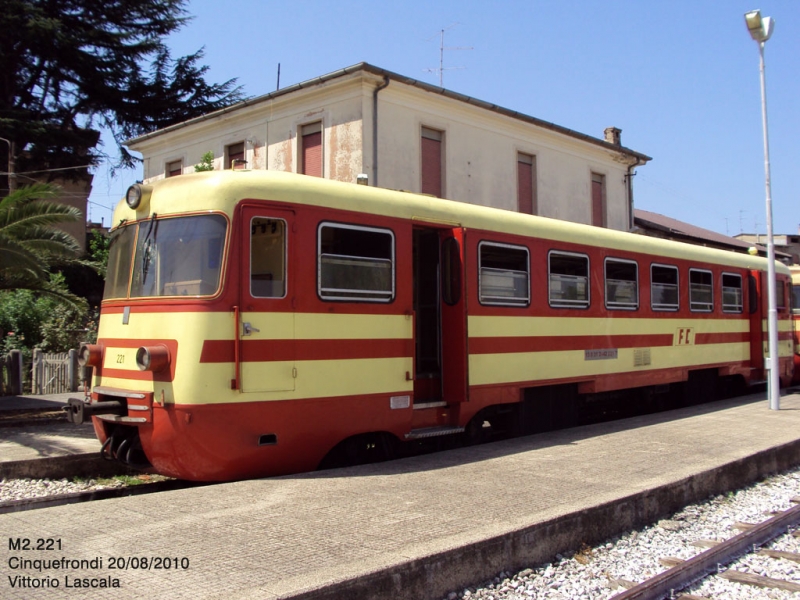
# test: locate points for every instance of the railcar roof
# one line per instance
(222, 190)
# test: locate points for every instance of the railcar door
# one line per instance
(266, 330)
(441, 322)
(756, 303)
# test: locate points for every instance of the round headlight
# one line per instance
(134, 196)
(152, 358)
(90, 355)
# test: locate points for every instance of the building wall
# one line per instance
(75, 193)
(480, 147)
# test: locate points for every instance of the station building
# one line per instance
(399, 133)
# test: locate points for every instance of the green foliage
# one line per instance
(72, 66)
(98, 251)
(30, 242)
(29, 320)
(206, 163)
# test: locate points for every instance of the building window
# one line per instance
(355, 263)
(701, 290)
(622, 284)
(234, 156)
(267, 258)
(503, 274)
(174, 168)
(568, 280)
(311, 149)
(526, 184)
(598, 200)
(732, 295)
(432, 179)
(664, 287)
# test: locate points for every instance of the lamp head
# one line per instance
(760, 28)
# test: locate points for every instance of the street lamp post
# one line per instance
(761, 30)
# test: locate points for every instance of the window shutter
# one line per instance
(431, 162)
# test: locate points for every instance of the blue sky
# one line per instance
(679, 77)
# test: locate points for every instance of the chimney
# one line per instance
(613, 135)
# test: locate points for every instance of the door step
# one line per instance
(429, 432)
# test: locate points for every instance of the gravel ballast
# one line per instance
(593, 573)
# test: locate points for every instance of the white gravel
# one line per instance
(20, 489)
(589, 573)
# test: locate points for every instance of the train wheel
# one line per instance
(478, 430)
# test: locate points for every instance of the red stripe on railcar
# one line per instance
(559, 343)
(222, 351)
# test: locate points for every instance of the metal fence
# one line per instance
(54, 373)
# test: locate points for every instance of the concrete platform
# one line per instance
(415, 528)
(72, 450)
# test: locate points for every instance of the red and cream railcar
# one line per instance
(253, 321)
(795, 270)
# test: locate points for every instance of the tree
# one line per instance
(29, 320)
(30, 243)
(68, 67)
(206, 163)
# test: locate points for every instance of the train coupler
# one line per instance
(79, 411)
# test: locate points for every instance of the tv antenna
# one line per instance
(442, 48)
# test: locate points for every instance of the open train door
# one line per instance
(452, 282)
(440, 322)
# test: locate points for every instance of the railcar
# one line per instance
(795, 270)
(260, 323)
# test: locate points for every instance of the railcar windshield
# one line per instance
(179, 256)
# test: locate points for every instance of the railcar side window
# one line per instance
(267, 258)
(568, 280)
(780, 295)
(796, 298)
(732, 297)
(622, 284)
(120, 254)
(355, 263)
(701, 290)
(503, 274)
(664, 287)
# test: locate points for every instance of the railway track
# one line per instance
(740, 545)
(683, 573)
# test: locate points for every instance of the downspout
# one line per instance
(375, 129)
(630, 175)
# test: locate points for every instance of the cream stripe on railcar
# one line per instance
(210, 382)
(315, 379)
(489, 369)
(486, 369)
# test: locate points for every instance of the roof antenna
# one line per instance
(279, 78)
(442, 48)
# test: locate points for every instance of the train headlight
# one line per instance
(137, 196)
(90, 355)
(152, 358)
